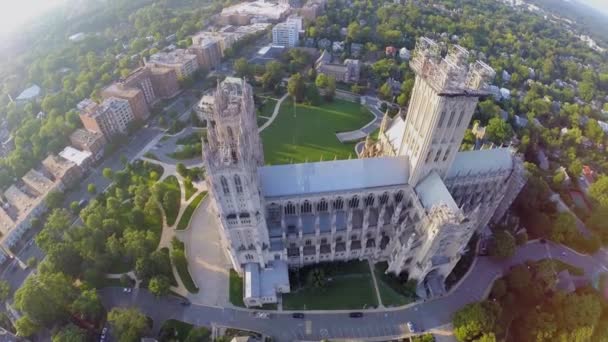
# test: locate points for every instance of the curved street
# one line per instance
(387, 323)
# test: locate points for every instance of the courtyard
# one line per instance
(308, 133)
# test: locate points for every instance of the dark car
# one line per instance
(297, 315)
(185, 303)
(355, 314)
(543, 241)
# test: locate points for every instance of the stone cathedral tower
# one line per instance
(232, 154)
(444, 97)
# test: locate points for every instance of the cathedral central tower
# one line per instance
(444, 97)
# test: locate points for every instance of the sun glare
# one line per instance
(16, 13)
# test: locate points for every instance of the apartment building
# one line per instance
(110, 117)
(91, 141)
(185, 64)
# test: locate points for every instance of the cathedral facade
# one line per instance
(411, 199)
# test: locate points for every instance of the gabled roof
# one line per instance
(480, 161)
(337, 175)
(432, 191)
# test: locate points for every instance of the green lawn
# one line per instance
(390, 286)
(342, 292)
(170, 184)
(178, 330)
(178, 257)
(236, 289)
(267, 108)
(310, 132)
(185, 219)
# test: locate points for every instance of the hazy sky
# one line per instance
(602, 5)
(15, 12)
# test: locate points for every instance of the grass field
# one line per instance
(185, 219)
(349, 285)
(310, 133)
(178, 257)
(342, 292)
(236, 289)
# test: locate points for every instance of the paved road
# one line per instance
(372, 104)
(318, 325)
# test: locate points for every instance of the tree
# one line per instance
(521, 238)
(272, 77)
(181, 169)
(330, 90)
(74, 206)
(128, 324)
(159, 286)
(316, 278)
(504, 244)
(321, 81)
(385, 92)
(54, 199)
(88, 305)
(498, 131)
(198, 334)
(564, 228)
(45, 297)
(519, 277)
(26, 327)
(599, 191)
(107, 173)
(296, 87)
(92, 189)
(499, 289)
(242, 68)
(5, 290)
(475, 320)
(70, 333)
(594, 132)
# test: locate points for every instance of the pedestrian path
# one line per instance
(371, 269)
(274, 114)
(366, 130)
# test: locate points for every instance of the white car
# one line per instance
(411, 327)
(127, 290)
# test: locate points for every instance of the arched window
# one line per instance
(446, 155)
(451, 118)
(225, 187)
(369, 201)
(322, 205)
(339, 204)
(437, 155)
(460, 118)
(230, 135)
(306, 207)
(399, 197)
(238, 185)
(308, 242)
(441, 118)
(354, 202)
(384, 198)
(428, 156)
(290, 209)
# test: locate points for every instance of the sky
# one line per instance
(15, 13)
(601, 5)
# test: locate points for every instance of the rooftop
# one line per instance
(84, 137)
(395, 132)
(29, 93)
(57, 166)
(432, 191)
(74, 155)
(337, 175)
(178, 56)
(258, 8)
(480, 161)
(37, 181)
(19, 199)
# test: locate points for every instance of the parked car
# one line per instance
(263, 315)
(127, 290)
(185, 303)
(411, 327)
(355, 314)
(297, 315)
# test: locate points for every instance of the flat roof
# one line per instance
(432, 191)
(395, 132)
(480, 161)
(337, 175)
(29, 93)
(74, 155)
(38, 181)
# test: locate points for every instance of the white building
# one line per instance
(413, 200)
(404, 54)
(80, 158)
(286, 34)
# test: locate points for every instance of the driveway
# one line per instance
(432, 315)
(372, 105)
(208, 264)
